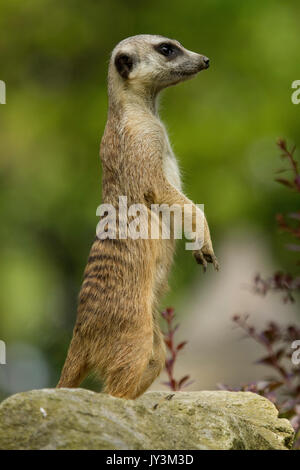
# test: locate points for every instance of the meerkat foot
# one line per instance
(206, 256)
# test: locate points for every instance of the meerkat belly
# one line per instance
(172, 174)
(171, 169)
(167, 246)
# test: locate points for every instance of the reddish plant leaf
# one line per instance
(184, 379)
(173, 349)
(181, 345)
(285, 182)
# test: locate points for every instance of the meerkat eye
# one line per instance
(168, 50)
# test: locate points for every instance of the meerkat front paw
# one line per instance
(206, 255)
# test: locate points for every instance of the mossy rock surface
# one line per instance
(80, 419)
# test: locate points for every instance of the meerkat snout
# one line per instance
(206, 61)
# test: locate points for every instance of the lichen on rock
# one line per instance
(81, 419)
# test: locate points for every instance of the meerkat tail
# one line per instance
(75, 368)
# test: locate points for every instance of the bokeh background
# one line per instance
(223, 126)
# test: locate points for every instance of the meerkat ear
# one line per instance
(124, 64)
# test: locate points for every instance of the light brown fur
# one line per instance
(117, 329)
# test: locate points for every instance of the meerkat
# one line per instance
(117, 333)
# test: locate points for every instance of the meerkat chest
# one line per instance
(171, 168)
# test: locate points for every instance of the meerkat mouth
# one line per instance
(190, 71)
(186, 73)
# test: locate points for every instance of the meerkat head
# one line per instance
(147, 62)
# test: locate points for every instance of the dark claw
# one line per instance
(201, 260)
(215, 263)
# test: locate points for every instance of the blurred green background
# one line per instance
(223, 126)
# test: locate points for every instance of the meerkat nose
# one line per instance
(206, 61)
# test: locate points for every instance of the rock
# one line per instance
(81, 419)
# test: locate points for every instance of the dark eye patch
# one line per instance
(168, 49)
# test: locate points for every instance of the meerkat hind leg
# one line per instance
(126, 367)
(123, 381)
(153, 369)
